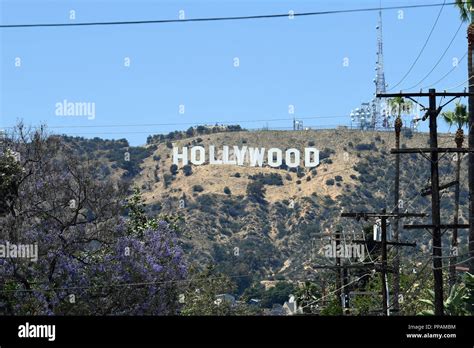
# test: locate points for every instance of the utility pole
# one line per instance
(342, 274)
(435, 206)
(454, 237)
(384, 243)
(470, 42)
(396, 222)
(432, 113)
(338, 270)
(345, 294)
(383, 272)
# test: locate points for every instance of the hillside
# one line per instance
(271, 223)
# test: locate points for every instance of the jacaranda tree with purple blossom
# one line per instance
(146, 268)
(91, 260)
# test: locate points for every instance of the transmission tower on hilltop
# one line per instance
(379, 116)
(374, 114)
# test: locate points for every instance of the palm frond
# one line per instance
(464, 9)
(448, 117)
(461, 115)
(399, 103)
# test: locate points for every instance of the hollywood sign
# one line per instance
(250, 156)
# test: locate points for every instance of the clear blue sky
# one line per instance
(282, 62)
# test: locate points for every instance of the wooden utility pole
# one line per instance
(435, 206)
(396, 222)
(342, 273)
(454, 238)
(384, 243)
(345, 292)
(338, 270)
(383, 271)
(470, 68)
(432, 114)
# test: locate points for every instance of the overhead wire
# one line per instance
(202, 123)
(335, 291)
(447, 74)
(215, 19)
(439, 60)
(422, 49)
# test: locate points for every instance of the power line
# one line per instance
(232, 18)
(120, 284)
(419, 274)
(459, 85)
(445, 75)
(440, 58)
(189, 123)
(422, 49)
(418, 194)
(151, 132)
(434, 151)
(335, 291)
(456, 264)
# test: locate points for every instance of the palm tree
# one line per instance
(399, 104)
(460, 118)
(466, 12)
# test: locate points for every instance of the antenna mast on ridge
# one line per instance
(379, 116)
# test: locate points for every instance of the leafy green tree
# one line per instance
(307, 296)
(139, 221)
(10, 172)
(367, 304)
(333, 307)
(136, 211)
(277, 295)
(200, 297)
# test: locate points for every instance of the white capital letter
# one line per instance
(177, 156)
(202, 155)
(307, 157)
(225, 156)
(212, 159)
(279, 157)
(296, 162)
(240, 154)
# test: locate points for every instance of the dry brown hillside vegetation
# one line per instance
(264, 223)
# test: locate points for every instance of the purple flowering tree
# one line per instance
(90, 259)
